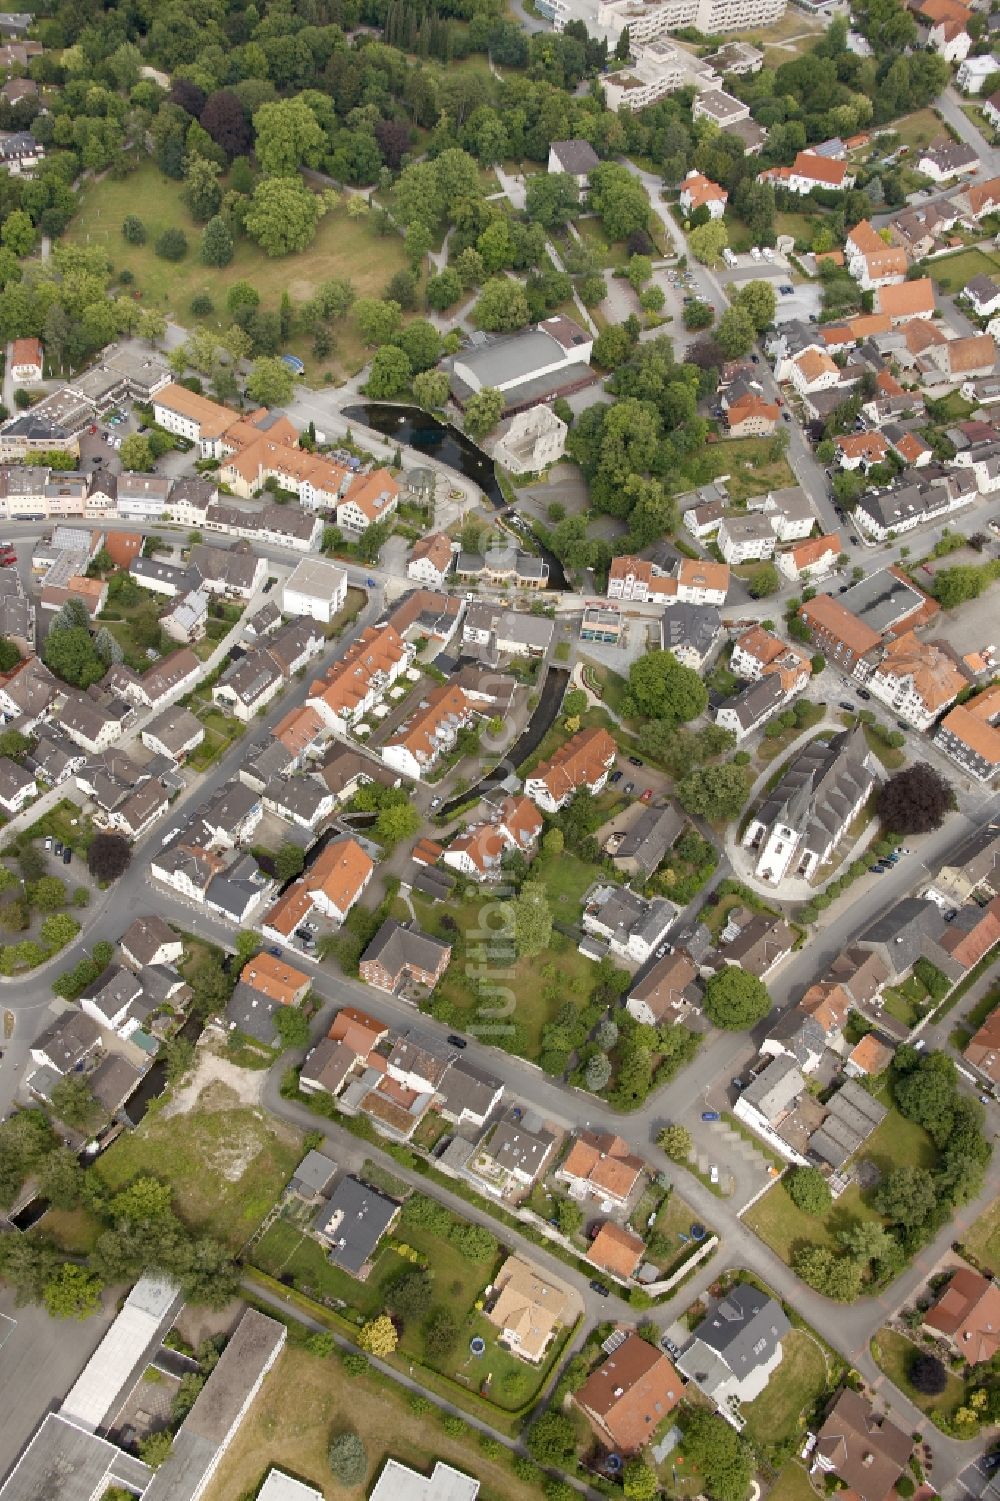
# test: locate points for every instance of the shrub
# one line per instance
(171, 245)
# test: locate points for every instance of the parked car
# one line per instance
(863, 693)
(785, 417)
(713, 1174)
(453, 1040)
(58, 847)
(710, 1115)
(846, 704)
(48, 844)
(647, 796)
(876, 870)
(855, 540)
(67, 855)
(629, 788)
(274, 951)
(601, 1288)
(636, 761)
(615, 777)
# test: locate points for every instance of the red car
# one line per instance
(647, 796)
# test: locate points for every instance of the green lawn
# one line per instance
(893, 1354)
(343, 247)
(609, 685)
(799, 226)
(566, 877)
(792, 1484)
(983, 1240)
(73, 1230)
(900, 1006)
(610, 253)
(918, 129)
(952, 272)
(955, 407)
(530, 991)
(898, 1142)
(226, 1163)
(891, 756)
(811, 714)
(785, 1405)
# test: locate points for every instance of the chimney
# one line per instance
(868, 1459)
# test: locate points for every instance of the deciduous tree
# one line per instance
(735, 999)
(483, 411)
(808, 1190)
(916, 800)
(108, 856)
(270, 382)
(283, 215)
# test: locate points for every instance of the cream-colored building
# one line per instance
(526, 1308)
(529, 441)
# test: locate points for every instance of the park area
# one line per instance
(343, 247)
(307, 1398)
(897, 1142)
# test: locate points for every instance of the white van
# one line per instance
(728, 257)
(768, 253)
(755, 252)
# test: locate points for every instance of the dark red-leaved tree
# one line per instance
(189, 96)
(928, 1374)
(393, 139)
(108, 856)
(915, 801)
(226, 121)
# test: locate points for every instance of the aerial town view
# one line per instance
(500, 750)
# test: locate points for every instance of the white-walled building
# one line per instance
(316, 588)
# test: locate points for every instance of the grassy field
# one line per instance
(306, 1399)
(893, 1353)
(799, 226)
(74, 1230)
(983, 1240)
(749, 469)
(786, 1403)
(952, 272)
(343, 247)
(225, 1162)
(918, 129)
(897, 1143)
(609, 684)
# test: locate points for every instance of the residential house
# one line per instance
(150, 941)
(865, 1450)
(736, 1348)
(666, 992)
(964, 359)
(17, 786)
(467, 1095)
(357, 681)
(332, 884)
(970, 736)
(302, 800)
(266, 984)
(983, 1049)
(600, 1166)
(616, 1250)
(751, 708)
(861, 450)
(758, 653)
(806, 1031)
(371, 498)
(751, 416)
(432, 730)
(630, 925)
(983, 294)
(66, 1042)
(760, 945)
(967, 1313)
(515, 1154)
(719, 107)
(691, 632)
(585, 760)
(745, 539)
(812, 370)
(115, 1000)
(871, 260)
(345, 770)
(869, 1058)
(698, 191)
(576, 158)
(809, 170)
(175, 733)
(647, 841)
(400, 955)
(910, 299)
(810, 560)
(315, 588)
(945, 159)
(802, 819)
(917, 679)
(233, 572)
(974, 71)
(431, 559)
(629, 1395)
(514, 826)
(527, 1309)
(510, 632)
(27, 362)
(351, 1224)
(695, 582)
(187, 618)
